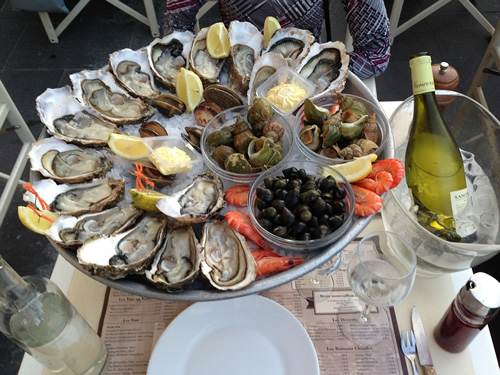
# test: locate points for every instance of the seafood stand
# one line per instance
(228, 84)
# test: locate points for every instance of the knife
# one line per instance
(424, 355)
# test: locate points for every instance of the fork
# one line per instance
(409, 349)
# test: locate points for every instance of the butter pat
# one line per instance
(286, 95)
(170, 160)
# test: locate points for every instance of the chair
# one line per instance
(9, 111)
(397, 6)
(490, 59)
(149, 20)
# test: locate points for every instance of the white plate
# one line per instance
(247, 335)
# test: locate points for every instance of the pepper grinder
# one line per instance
(446, 77)
(475, 305)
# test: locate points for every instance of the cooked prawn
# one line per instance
(393, 166)
(366, 202)
(237, 195)
(379, 183)
(241, 223)
(269, 262)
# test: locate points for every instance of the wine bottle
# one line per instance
(36, 316)
(433, 163)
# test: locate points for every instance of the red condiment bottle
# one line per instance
(474, 306)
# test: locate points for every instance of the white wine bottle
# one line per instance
(433, 163)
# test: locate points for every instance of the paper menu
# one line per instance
(131, 325)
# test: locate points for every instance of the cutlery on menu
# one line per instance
(424, 355)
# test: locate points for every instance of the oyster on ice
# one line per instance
(327, 66)
(246, 44)
(207, 68)
(98, 90)
(126, 253)
(292, 43)
(227, 261)
(77, 199)
(67, 119)
(195, 203)
(168, 55)
(69, 231)
(67, 163)
(177, 263)
(131, 69)
(264, 67)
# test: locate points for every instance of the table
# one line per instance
(431, 296)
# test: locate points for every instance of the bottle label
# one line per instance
(459, 200)
(421, 75)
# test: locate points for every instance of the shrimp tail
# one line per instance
(269, 262)
(241, 223)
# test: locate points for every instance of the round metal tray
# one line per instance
(201, 290)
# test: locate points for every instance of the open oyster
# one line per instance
(292, 43)
(131, 69)
(168, 55)
(246, 44)
(197, 202)
(177, 263)
(69, 231)
(67, 119)
(227, 261)
(207, 68)
(98, 90)
(67, 163)
(77, 199)
(327, 66)
(264, 67)
(126, 253)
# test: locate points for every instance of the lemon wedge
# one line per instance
(271, 24)
(34, 222)
(127, 146)
(218, 41)
(354, 170)
(189, 89)
(146, 199)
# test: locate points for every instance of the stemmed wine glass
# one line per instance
(381, 273)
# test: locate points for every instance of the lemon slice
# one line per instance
(34, 222)
(271, 24)
(218, 41)
(146, 199)
(189, 89)
(354, 170)
(127, 146)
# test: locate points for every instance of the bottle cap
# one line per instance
(481, 295)
(446, 76)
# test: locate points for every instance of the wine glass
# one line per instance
(381, 273)
(319, 279)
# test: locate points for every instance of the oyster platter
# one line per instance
(182, 249)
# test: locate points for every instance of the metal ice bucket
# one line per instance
(476, 131)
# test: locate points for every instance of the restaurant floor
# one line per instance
(29, 64)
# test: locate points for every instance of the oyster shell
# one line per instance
(195, 203)
(168, 55)
(227, 261)
(264, 67)
(98, 90)
(67, 163)
(69, 231)
(126, 253)
(292, 43)
(207, 68)
(67, 119)
(77, 199)
(222, 96)
(177, 263)
(326, 65)
(131, 69)
(246, 44)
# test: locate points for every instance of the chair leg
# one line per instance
(49, 28)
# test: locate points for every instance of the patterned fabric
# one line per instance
(367, 19)
(369, 27)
